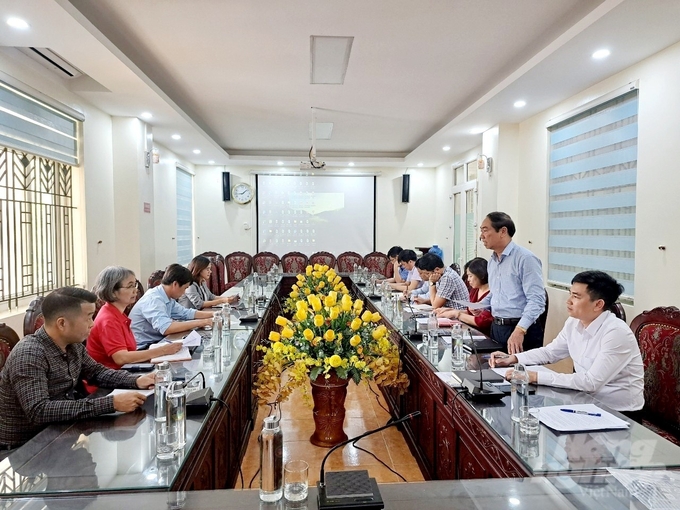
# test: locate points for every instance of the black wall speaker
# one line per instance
(405, 187)
(226, 191)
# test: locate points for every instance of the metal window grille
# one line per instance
(36, 225)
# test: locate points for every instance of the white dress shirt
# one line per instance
(606, 358)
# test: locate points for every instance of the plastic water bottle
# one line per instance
(432, 326)
(176, 410)
(226, 333)
(162, 378)
(271, 460)
(458, 357)
(519, 390)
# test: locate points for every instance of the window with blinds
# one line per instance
(593, 171)
(185, 235)
(30, 125)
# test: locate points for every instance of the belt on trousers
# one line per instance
(505, 322)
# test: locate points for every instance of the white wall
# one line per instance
(220, 226)
(656, 275)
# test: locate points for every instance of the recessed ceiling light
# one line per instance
(477, 130)
(146, 115)
(420, 164)
(446, 148)
(280, 163)
(351, 163)
(17, 23)
(176, 137)
(600, 54)
(211, 162)
(197, 151)
(520, 104)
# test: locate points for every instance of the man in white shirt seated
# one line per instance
(407, 260)
(607, 361)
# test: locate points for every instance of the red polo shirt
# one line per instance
(111, 333)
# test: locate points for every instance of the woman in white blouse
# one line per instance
(198, 295)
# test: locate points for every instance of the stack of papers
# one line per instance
(182, 355)
(577, 418)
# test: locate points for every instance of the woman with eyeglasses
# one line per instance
(111, 341)
(198, 294)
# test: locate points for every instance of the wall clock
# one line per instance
(242, 193)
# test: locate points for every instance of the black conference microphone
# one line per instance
(352, 489)
(481, 391)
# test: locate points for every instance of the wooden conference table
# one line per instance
(453, 439)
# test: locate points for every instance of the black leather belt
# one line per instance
(505, 322)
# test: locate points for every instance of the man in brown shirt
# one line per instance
(38, 382)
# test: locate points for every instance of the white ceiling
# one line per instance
(232, 76)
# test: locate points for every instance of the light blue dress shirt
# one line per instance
(153, 314)
(516, 285)
(403, 272)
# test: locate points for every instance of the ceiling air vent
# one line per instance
(52, 61)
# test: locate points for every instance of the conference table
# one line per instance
(453, 439)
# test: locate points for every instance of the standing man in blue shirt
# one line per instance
(517, 295)
(158, 314)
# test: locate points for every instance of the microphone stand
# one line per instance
(359, 479)
(480, 392)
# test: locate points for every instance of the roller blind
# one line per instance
(592, 192)
(29, 125)
(185, 245)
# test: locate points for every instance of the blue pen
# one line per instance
(579, 412)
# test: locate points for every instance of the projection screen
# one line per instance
(310, 213)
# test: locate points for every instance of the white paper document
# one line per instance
(234, 291)
(193, 339)
(577, 418)
(182, 355)
(472, 306)
(448, 379)
(119, 391)
(424, 307)
(657, 490)
(533, 368)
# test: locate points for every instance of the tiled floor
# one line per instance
(362, 413)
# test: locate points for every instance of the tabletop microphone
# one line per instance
(480, 391)
(352, 489)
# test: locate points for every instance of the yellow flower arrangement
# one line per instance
(317, 279)
(327, 330)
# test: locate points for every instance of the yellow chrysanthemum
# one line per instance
(308, 334)
(287, 332)
(309, 270)
(355, 324)
(278, 347)
(301, 314)
(355, 340)
(318, 320)
(367, 316)
(294, 294)
(329, 335)
(376, 317)
(274, 336)
(360, 365)
(334, 313)
(281, 321)
(335, 361)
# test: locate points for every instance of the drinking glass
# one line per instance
(528, 423)
(166, 440)
(295, 480)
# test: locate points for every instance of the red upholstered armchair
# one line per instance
(155, 279)
(264, 261)
(294, 262)
(218, 278)
(8, 339)
(33, 318)
(347, 260)
(239, 265)
(658, 334)
(378, 262)
(324, 258)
